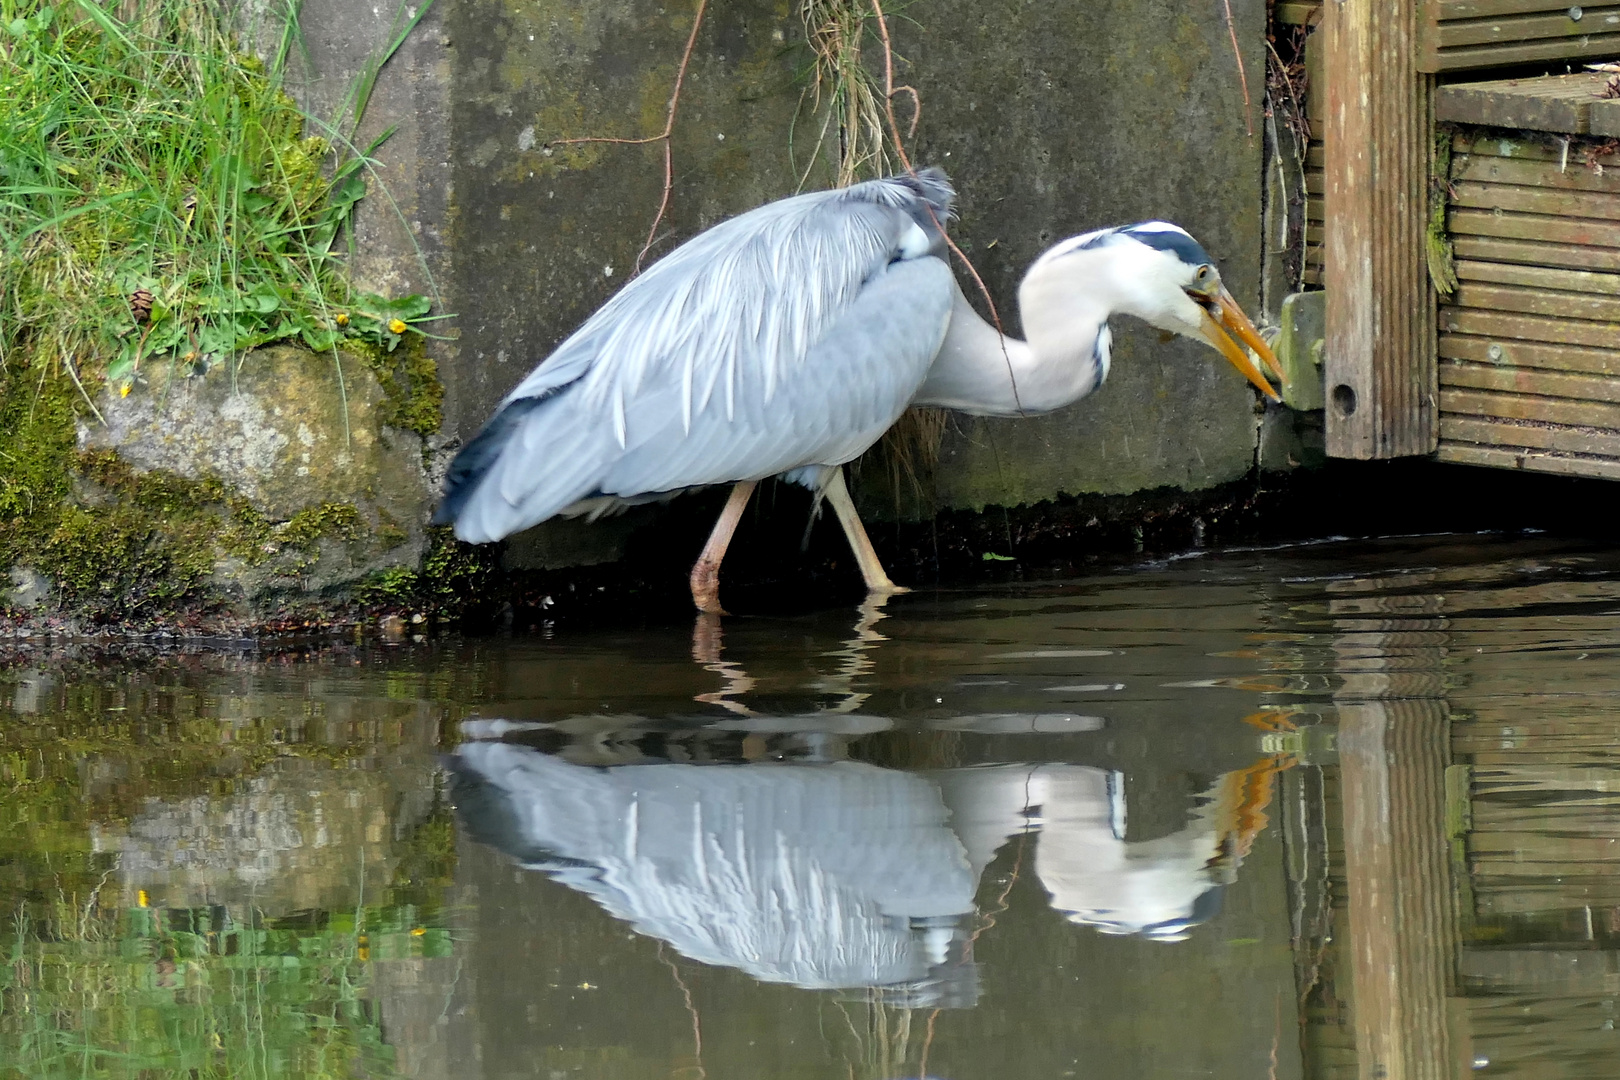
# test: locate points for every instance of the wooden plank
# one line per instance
(1529, 27)
(1517, 897)
(1604, 118)
(1445, 10)
(1392, 760)
(1533, 147)
(1585, 47)
(1539, 277)
(1517, 380)
(1379, 358)
(1556, 230)
(1535, 253)
(1545, 971)
(1525, 199)
(1509, 406)
(1501, 324)
(1544, 462)
(1569, 172)
(1486, 846)
(1315, 84)
(1530, 354)
(1509, 434)
(1550, 103)
(1564, 305)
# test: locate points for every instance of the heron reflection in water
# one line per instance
(827, 873)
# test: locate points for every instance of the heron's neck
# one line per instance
(987, 373)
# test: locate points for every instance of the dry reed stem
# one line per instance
(663, 137)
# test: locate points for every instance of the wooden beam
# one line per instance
(1380, 353)
(1392, 757)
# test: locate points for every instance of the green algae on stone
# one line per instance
(200, 492)
(413, 396)
(36, 452)
(151, 543)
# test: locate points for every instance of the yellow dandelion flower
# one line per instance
(343, 318)
(396, 326)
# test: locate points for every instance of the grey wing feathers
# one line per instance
(698, 367)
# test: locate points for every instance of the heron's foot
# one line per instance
(885, 589)
(705, 583)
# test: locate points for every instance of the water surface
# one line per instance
(1339, 809)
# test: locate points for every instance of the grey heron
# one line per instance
(785, 341)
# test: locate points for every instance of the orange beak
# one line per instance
(1229, 322)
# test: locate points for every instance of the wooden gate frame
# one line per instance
(1379, 357)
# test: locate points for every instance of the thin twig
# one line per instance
(1243, 76)
(928, 1041)
(663, 137)
(691, 1009)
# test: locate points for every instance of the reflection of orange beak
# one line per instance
(1242, 800)
(1219, 333)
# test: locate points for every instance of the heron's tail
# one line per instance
(521, 468)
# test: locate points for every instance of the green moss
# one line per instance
(148, 543)
(1442, 262)
(36, 454)
(452, 574)
(328, 520)
(413, 395)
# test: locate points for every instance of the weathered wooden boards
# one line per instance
(1535, 1035)
(1315, 179)
(1570, 104)
(1460, 34)
(1529, 344)
(1379, 359)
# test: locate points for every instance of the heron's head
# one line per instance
(1159, 273)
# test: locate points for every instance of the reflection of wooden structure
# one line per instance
(1474, 852)
(1392, 761)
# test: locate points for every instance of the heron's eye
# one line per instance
(1206, 277)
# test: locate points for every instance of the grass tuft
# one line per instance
(158, 192)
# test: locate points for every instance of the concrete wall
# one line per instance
(1057, 118)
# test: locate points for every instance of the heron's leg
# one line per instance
(871, 569)
(706, 571)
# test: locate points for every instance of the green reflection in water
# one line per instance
(310, 822)
(129, 992)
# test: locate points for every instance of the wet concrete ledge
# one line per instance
(768, 575)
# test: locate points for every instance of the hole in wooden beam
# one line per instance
(1344, 400)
